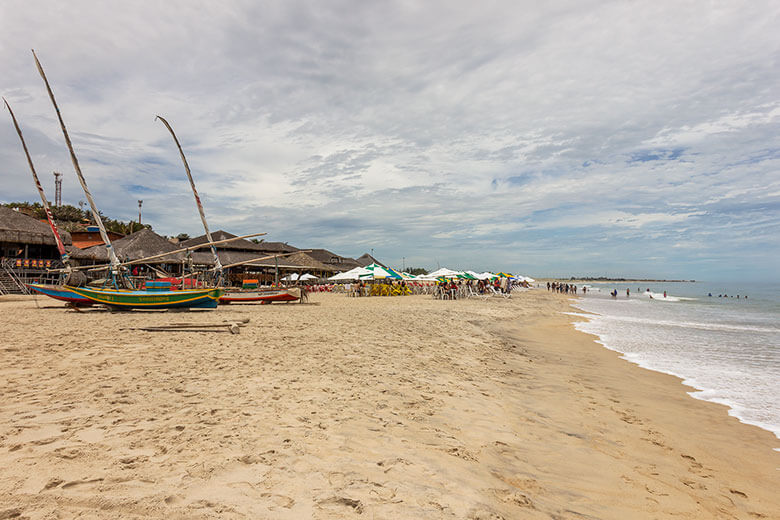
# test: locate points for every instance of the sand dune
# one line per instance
(358, 408)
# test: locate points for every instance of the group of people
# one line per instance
(454, 289)
(563, 288)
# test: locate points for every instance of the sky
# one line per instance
(599, 138)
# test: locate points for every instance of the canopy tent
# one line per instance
(396, 274)
(377, 272)
(446, 273)
(294, 277)
(352, 274)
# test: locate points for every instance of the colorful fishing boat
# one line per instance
(60, 292)
(127, 297)
(262, 296)
(156, 299)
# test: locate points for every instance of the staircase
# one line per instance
(9, 280)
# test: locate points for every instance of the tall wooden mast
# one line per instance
(112, 258)
(217, 263)
(60, 245)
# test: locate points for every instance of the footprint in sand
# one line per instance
(76, 483)
(336, 504)
(513, 497)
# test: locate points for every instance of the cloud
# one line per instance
(502, 135)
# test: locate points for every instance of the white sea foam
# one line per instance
(730, 354)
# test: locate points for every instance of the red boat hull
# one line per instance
(283, 295)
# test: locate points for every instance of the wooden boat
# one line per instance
(60, 292)
(128, 297)
(162, 299)
(261, 295)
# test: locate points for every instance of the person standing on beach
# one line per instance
(628, 292)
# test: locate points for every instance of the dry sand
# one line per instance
(358, 408)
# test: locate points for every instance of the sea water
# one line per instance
(724, 346)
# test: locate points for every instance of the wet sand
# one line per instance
(358, 408)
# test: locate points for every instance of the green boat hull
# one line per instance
(122, 299)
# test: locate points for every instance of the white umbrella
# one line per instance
(293, 277)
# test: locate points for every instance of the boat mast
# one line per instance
(217, 263)
(112, 258)
(60, 245)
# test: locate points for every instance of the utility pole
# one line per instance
(57, 189)
(140, 202)
(404, 264)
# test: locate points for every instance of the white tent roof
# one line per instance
(376, 272)
(352, 274)
(447, 273)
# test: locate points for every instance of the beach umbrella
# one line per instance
(487, 275)
(466, 276)
(408, 276)
(503, 275)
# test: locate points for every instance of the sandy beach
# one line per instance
(403, 407)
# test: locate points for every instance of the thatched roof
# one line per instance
(239, 245)
(333, 261)
(367, 259)
(79, 254)
(141, 244)
(307, 261)
(18, 228)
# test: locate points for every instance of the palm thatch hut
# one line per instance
(25, 237)
(142, 244)
(336, 263)
(367, 259)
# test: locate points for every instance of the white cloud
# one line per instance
(415, 128)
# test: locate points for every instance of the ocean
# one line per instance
(727, 348)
